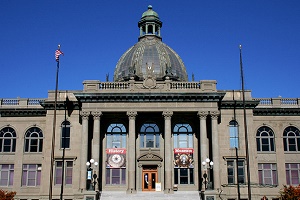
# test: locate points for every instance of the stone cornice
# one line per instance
(231, 104)
(22, 112)
(49, 105)
(276, 112)
(149, 97)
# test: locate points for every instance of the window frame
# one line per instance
(65, 135)
(265, 139)
(110, 177)
(287, 139)
(178, 176)
(292, 171)
(68, 168)
(265, 172)
(8, 174)
(30, 140)
(7, 134)
(114, 131)
(149, 132)
(241, 171)
(233, 134)
(34, 169)
(183, 134)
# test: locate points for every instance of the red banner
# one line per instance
(183, 157)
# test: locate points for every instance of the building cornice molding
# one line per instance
(232, 104)
(149, 97)
(22, 112)
(276, 112)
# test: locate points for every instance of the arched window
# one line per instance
(34, 140)
(7, 140)
(183, 154)
(116, 154)
(183, 136)
(265, 139)
(291, 139)
(116, 136)
(149, 136)
(233, 134)
(65, 135)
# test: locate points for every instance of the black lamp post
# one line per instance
(207, 165)
(92, 178)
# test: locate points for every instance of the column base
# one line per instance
(131, 191)
(168, 191)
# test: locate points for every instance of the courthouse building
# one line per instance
(150, 130)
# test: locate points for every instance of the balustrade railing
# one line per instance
(18, 101)
(185, 85)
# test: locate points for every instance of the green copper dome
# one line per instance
(150, 12)
(150, 56)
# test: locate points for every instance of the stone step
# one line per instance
(117, 195)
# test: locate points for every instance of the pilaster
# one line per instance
(215, 148)
(84, 149)
(204, 151)
(168, 151)
(96, 137)
(131, 152)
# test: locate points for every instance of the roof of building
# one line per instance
(150, 57)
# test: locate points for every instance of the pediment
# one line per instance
(150, 157)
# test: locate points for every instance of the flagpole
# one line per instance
(53, 127)
(245, 125)
(64, 147)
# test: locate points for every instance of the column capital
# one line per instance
(85, 114)
(167, 114)
(214, 114)
(131, 114)
(202, 114)
(96, 114)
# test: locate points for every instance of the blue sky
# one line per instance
(95, 33)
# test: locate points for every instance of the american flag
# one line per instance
(58, 52)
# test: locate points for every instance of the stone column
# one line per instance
(96, 138)
(84, 149)
(131, 152)
(204, 151)
(168, 151)
(141, 31)
(215, 149)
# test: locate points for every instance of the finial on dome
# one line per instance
(150, 7)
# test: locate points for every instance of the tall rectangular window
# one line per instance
(65, 134)
(184, 175)
(292, 173)
(68, 174)
(116, 140)
(6, 175)
(31, 175)
(183, 140)
(116, 176)
(267, 174)
(233, 134)
(231, 171)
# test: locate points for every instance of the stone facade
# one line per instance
(149, 134)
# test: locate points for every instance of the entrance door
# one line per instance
(149, 178)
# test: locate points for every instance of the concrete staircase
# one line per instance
(117, 195)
